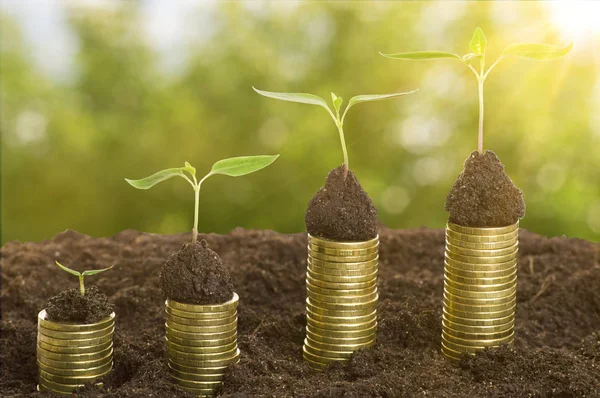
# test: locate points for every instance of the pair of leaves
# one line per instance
(84, 273)
(233, 167)
(537, 52)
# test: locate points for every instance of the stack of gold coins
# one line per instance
(70, 355)
(201, 343)
(480, 288)
(341, 304)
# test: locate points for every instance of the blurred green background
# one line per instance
(95, 91)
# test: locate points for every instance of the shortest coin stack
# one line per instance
(70, 355)
(480, 288)
(201, 343)
(341, 304)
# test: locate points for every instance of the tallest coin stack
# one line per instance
(480, 288)
(341, 304)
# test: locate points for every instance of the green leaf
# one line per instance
(295, 97)
(421, 55)
(337, 101)
(538, 52)
(478, 42)
(95, 271)
(69, 270)
(190, 169)
(160, 176)
(376, 97)
(242, 165)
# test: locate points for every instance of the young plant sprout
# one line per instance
(538, 52)
(81, 275)
(337, 103)
(233, 167)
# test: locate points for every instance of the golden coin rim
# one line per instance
(209, 363)
(457, 333)
(201, 329)
(474, 287)
(341, 278)
(203, 308)
(341, 319)
(489, 306)
(70, 379)
(341, 244)
(344, 307)
(197, 376)
(74, 350)
(477, 342)
(482, 252)
(339, 252)
(480, 231)
(200, 350)
(200, 336)
(199, 315)
(201, 322)
(340, 326)
(448, 268)
(202, 343)
(71, 373)
(74, 342)
(482, 238)
(72, 326)
(485, 281)
(328, 354)
(344, 266)
(504, 244)
(342, 333)
(465, 295)
(363, 272)
(76, 335)
(342, 292)
(74, 365)
(491, 260)
(347, 348)
(339, 340)
(339, 285)
(73, 357)
(201, 369)
(479, 322)
(173, 353)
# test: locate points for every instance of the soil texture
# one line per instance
(556, 351)
(483, 195)
(70, 306)
(196, 275)
(341, 210)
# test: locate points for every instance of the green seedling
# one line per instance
(81, 275)
(537, 52)
(335, 112)
(233, 167)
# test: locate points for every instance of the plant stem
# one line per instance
(196, 203)
(343, 141)
(81, 286)
(480, 81)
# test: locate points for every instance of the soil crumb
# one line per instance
(341, 210)
(70, 306)
(483, 195)
(196, 275)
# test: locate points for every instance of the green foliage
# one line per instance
(478, 43)
(81, 275)
(536, 52)
(421, 55)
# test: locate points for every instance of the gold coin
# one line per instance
(58, 387)
(70, 379)
(477, 322)
(340, 278)
(340, 285)
(479, 287)
(341, 319)
(478, 305)
(483, 315)
(482, 231)
(340, 326)
(340, 272)
(175, 355)
(197, 376)
(480, 281)
(76, 335)
(319, 367)
(170, 332)
(64, 350)
(319, 359)
(62, 364)
(346, 300)
(343, 245)
(342, 259)
(199, 316)
(89, 372)
(196, 384)
(482, 245)
(372, 304)
(203, 369)
(481, 252)
(350, 266)
(310, 306)
(452, 354)
(201, 350)
(74, 342)
(458, 334)
(70, 357)
(205, 363)
(339, 347)
(74, 327)
(482, 239)
(497, 271)
(480, 260)
(466, 294)
(341, 292)
(458, 343)
(208, 342)
(476, 329)
(227, 306)
(339, 340)
(342, 334)
(198, 391)
(339, 252)
(201, 322)
(327, 354)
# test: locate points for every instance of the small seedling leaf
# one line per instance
(468, 57)
(422, 55)
(538, 52)
(96, 271)
(375, 97)
(295, 97)
(190, 169)
(69, 270)
(160, 176)
(242, 165)
(337, 101)
(478, 42)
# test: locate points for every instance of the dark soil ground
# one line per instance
(556, 352)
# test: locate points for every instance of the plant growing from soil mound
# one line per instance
(340, 210)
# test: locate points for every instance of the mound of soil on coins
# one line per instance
(483, 195)
(70, 306)
(196, 275)
(557, 342)
(341, 210)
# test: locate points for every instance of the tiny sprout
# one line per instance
(538, 52)
(337, 103)
(233, 167)
(81, 275)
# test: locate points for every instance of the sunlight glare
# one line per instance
(578, 20)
